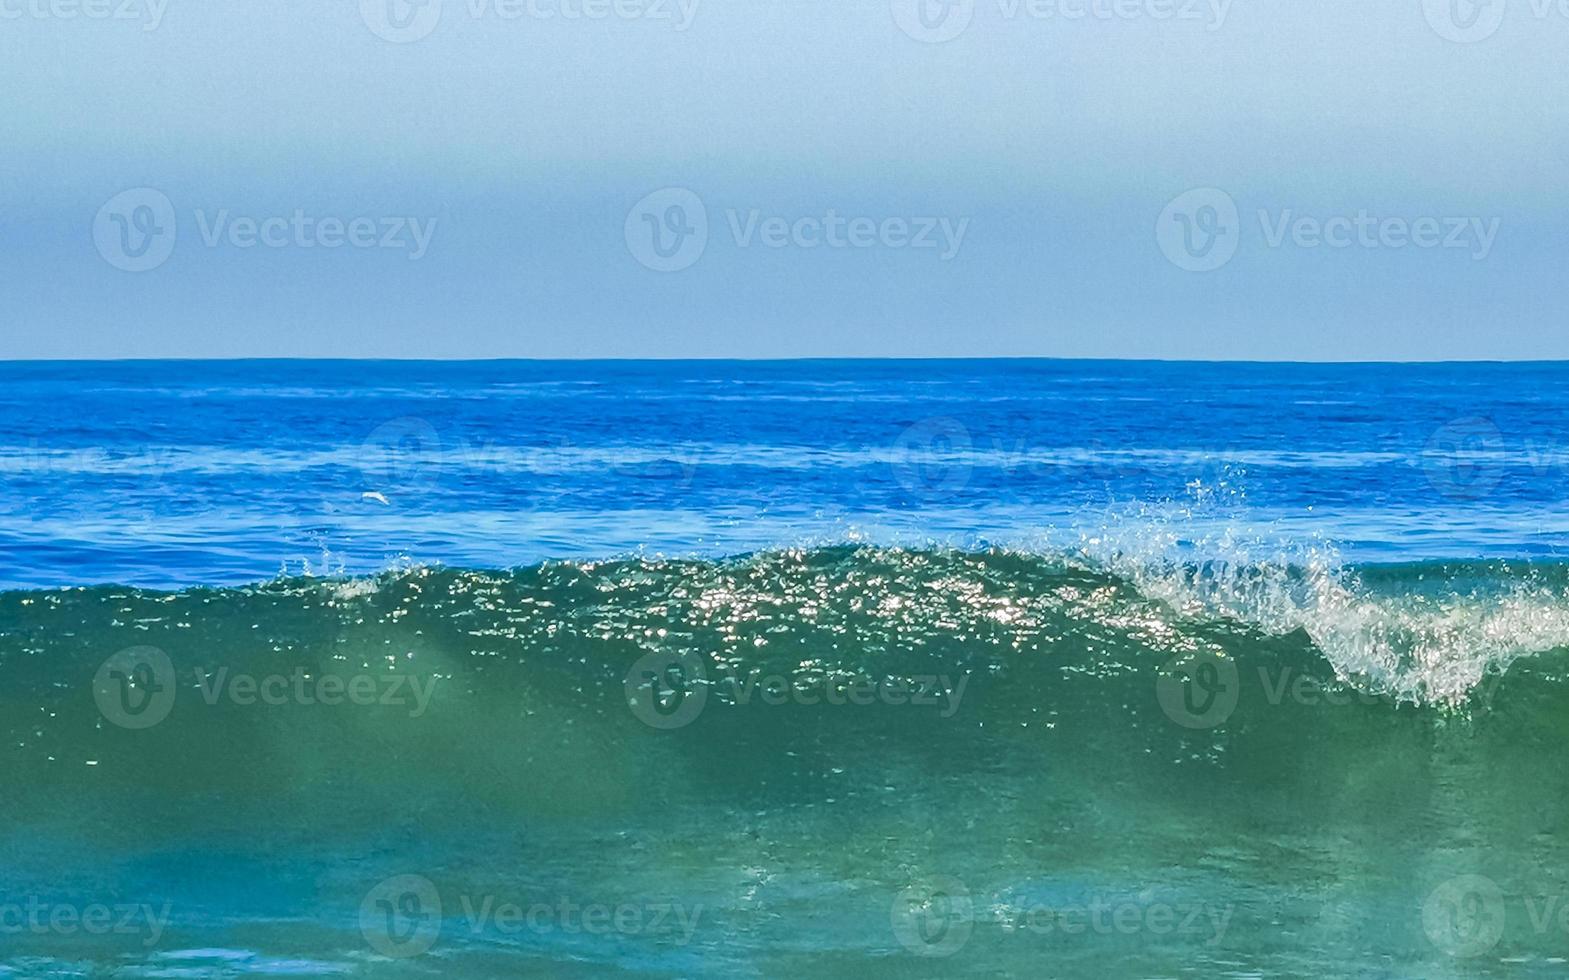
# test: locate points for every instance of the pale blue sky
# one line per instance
(522, 146)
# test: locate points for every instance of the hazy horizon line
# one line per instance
(771, 360)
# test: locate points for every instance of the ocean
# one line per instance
(762, 669)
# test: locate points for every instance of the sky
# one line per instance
(1207, 179)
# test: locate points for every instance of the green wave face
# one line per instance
(825, 730)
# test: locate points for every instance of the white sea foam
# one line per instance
(1429, 640)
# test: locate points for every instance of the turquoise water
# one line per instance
(810, 670)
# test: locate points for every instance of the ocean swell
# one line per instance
(430, 658)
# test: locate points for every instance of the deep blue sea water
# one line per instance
(181, 473)
(821, 668)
